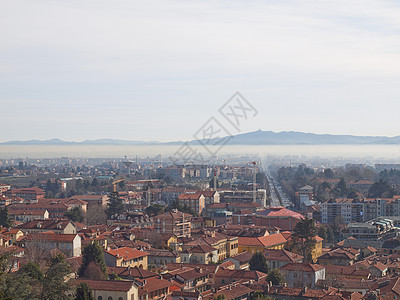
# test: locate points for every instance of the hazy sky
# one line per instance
(157, 70)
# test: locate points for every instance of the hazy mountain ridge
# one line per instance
(250, 138)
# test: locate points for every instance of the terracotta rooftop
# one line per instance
(304, 267)
(127, 253)
(107, 285)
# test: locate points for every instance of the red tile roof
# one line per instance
(304, 267)
(107, 285)
(127, 253)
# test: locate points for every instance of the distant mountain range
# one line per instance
(250, 138)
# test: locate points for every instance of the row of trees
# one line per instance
(47, 280)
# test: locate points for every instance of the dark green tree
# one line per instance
(92, 257)
(328, 173)
(258, 262)
(54, 284)
(75, 214)
(5, 220)
(304, 238)
(33, 270)
(114, 205)
(323, 232)
(276, 277)
(381, 188)
(154, 210)
(83, 292)
(341, 188)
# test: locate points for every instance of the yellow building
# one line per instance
(126, 257)
(259, 244)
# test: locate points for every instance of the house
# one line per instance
(225, 276)
(241, 260)
(203, 254)
(226, 245)
(191, 277)
(111, 289)
(210, 197)
(69, 244)
(259, 244)
(23, 215)
(173, 222)
(277, 258)
(299, 275)
(339, 257)
(154, 288)
(333, 272)
(160, 257)
(55, 208)
(234, 291)
(129, 273)
(56, 226)
(126, 256)
(29, 194)
(92, 200)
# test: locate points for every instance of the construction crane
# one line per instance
(115, 184)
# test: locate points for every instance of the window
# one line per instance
(120, 298)
(99, 298)
(110, 298)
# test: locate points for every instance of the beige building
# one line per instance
(126, 257)
(112, 290)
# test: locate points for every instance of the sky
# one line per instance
(159, 70)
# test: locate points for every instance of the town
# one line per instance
(146, 229)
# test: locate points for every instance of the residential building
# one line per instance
(259, 244)
(195, 201)
(56, 226)
(126, 256)
(29, 194)
(173, 222)
(69, 244)
(299, 275)
(342, 210)
(161, 257)
(203, 254)
(278, 258)
(111, 289)
(23, 215)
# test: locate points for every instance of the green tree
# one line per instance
(304, 238)
(276, 277)
(75, 214)
(114, 205)
(380, 189)
(154, 210)
(54, 284)
(33, 270)
(341, 188)
(5, 220)
(323, 232)
(92, 256)
(328, 173)
(258, 262)
(330, 234)
(83, 292)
